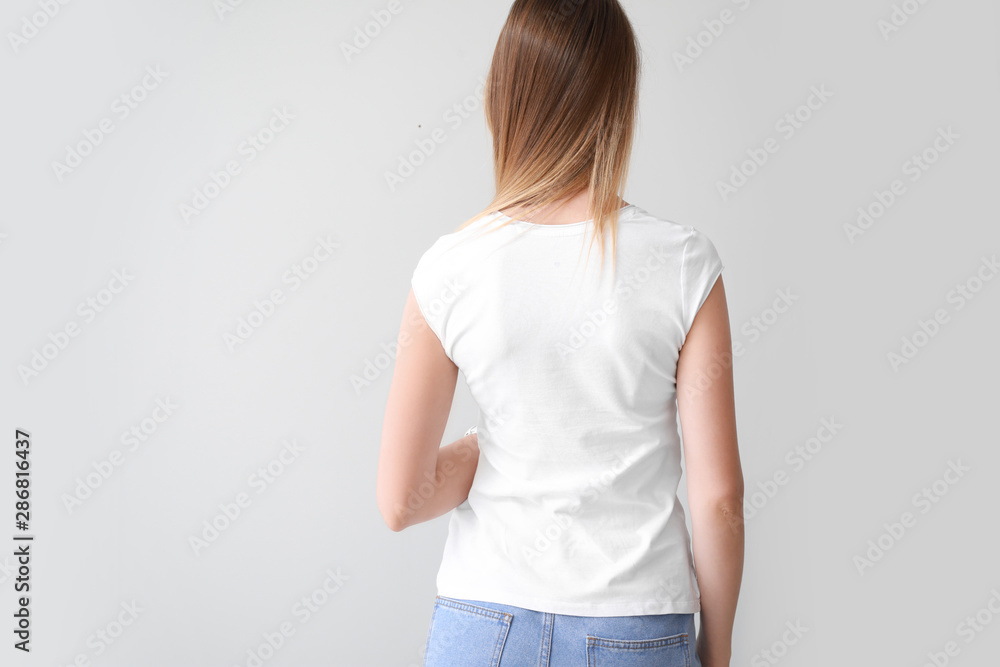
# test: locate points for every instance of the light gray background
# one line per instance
(163, 336)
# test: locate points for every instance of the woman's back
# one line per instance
(573, 508)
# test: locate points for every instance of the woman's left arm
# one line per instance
(419, 480)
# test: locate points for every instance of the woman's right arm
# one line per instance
(707, 412)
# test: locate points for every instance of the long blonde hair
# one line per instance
(560, 102)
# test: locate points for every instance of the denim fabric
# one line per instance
(476, 633)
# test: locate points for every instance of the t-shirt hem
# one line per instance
(547, 605)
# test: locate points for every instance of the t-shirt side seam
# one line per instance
(684, 255)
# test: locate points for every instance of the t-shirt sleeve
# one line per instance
(423, 282)
(701, 266)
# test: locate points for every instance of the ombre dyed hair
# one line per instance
(560, 102)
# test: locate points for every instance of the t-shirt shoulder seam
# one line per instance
(642, 215)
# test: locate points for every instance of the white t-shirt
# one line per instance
(573, 508)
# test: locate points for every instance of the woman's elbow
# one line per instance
(393, 511)
(393, 518)
(722, 508)
(718, 494)
(394, 523)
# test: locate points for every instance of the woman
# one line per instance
(567, 544)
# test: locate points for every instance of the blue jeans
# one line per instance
(474, 633)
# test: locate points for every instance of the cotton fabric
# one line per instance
(573, 508)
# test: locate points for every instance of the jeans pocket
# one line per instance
(669, 651)
(465, 635)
